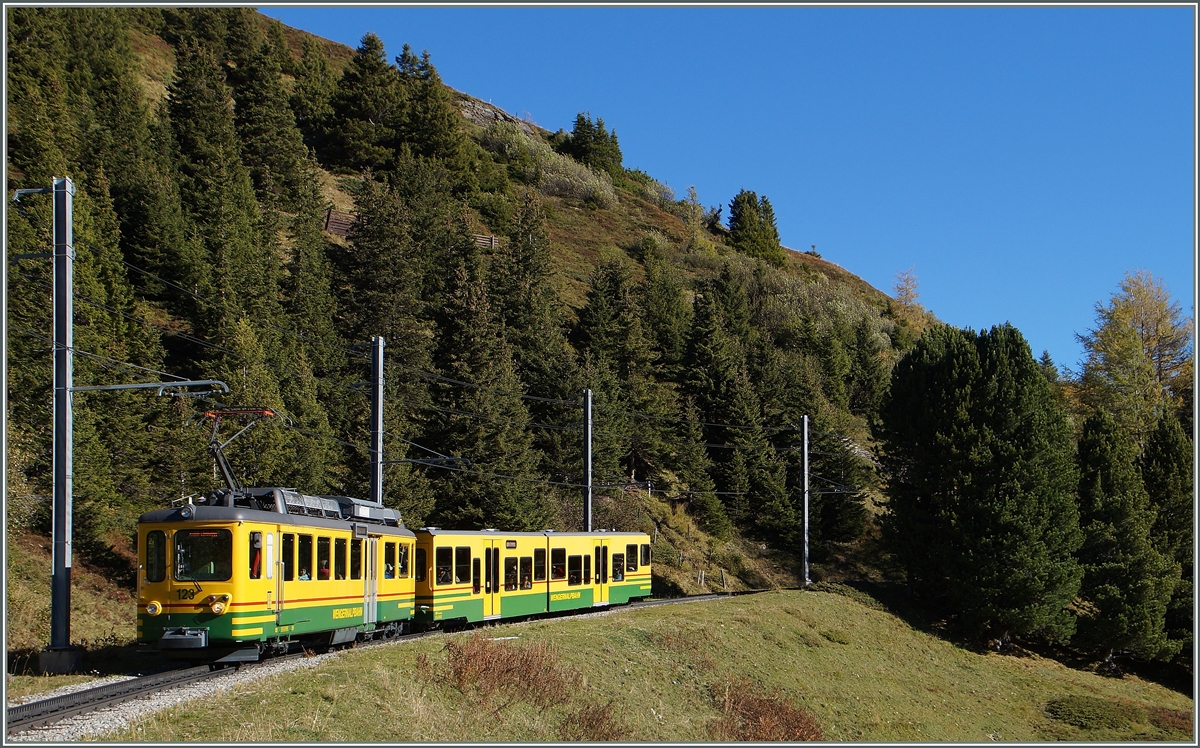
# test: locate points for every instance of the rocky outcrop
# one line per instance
(483, 114)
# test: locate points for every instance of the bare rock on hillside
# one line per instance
(483, 114)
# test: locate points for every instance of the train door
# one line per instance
(371, 580)
(600, 573)
(491, 579)
(291, 577)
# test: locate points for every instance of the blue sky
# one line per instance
(1022, 159)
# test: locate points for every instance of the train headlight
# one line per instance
(153, 608)
(187, 512)
(218, 603)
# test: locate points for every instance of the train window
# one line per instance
(618, 573)
(475, 577)
(462, 565)
(526, 572)
(539, 564)
(558, 563)
(305, 558)
(402, 571)
(156, 556)
(203, 555)
(599, 565)
(256, 552)
(574, 569)
(323, 571)
(441, 565)
(587, 569)
(420, 564)
(356, 558)
(339, 558)
(389, 560)
(631, 555)
(510, 573)
(287, 554)
(645, 554)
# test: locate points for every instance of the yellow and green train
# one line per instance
(465, 576)
(242, 574)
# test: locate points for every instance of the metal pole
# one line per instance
(64, 260)
(377, 420)
(807, 581)
(587, 460)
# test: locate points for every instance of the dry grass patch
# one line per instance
(594, 723)
(753, 716)
(482, 667)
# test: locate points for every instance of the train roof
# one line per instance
(201, 513)
(535, 534)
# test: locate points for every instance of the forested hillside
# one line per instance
(207, 146)
(510, 269)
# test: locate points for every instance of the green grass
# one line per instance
(679, 673)
(103, 617)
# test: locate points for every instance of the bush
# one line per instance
(752, 716)
(593, 723)
(535, 162)
(1090, 712)
(479, 665)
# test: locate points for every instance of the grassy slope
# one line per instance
(862, 673)
(103, 616)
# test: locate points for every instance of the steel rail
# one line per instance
(55, 709)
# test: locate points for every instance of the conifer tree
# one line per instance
(1139, 357)
(1167, 474)
(484, 420)
(431, 127)
(218, 199)
(752, 228)
(591, 144)
(691, 464)
(367, 109)
(272, 146)
(528, 310)
(980, 509)
(666, 314)
(312, 95)
(1126, 581)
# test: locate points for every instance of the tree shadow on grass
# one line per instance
(893, 597)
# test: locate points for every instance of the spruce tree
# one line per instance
(367, 109)
(980, 509)
(272, 146)
(484, 420)
(217, 196)
(752, 228)
(691, 464)
(311, 95)
(1127, 583)
(1167, 474)
(431, 126)
(666, 314)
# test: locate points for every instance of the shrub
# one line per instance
(593, 723)
(1171, 719)
(837, 636)
(534, 162)
(479, 665)
(1091, 712)
(752, 716)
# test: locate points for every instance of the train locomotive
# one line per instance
(245, 573)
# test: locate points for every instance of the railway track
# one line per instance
(49, 711)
